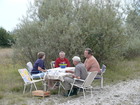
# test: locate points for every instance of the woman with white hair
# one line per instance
(62, 60)
(80, 72)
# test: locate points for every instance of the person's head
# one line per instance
(76, 60)
(62, 55)
(41, 55)
(88, 52)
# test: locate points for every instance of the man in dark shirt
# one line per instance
(39, 66)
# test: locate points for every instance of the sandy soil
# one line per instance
(124, 93)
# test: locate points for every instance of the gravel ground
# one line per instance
(124, 93)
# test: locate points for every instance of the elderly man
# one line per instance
(62, 60)
(91, 63)
(80, 72)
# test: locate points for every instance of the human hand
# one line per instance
(73, 76)
(69, 71)
(45, 70)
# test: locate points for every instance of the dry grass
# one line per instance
(10, 80)
(122, 71)
(11, 83)
(5, 56)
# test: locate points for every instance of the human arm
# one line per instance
(56, 63)
(88, 64)
(69, 71)
(40, 69)
(74, 76)
(77, 73)
(41, 66)
(68, 62)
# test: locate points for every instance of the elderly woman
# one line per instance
(39, 66)
(80, 72)
(62, 60)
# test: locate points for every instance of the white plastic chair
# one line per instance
(86, 84)
(30, 68)
(52, 63)
(100, 75)
(28, 79)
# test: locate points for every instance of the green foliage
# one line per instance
(6, 39)
(71, 26)
(102, 24)
(133, 31)
(16, 89)
(122, 71)
(1, 96)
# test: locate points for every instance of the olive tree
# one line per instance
(71, 26)
(133, 30)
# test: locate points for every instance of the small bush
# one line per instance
(1, 96)
(16, 89)
(133, 50)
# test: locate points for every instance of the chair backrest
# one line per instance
(90, 78)
(29, 66)
(52, 64)
(103, 69)
(25, 75)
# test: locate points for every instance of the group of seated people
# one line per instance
(80, 72)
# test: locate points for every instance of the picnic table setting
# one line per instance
(58, 73)
(61, 75)
(53, 74)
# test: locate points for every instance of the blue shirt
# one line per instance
(38, 63)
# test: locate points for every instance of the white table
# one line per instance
(57, 74)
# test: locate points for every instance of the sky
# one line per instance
(11, 11)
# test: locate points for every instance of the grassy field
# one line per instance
(10, 81)
(11, 84)
(122, 71)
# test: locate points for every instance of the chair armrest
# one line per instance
(78, 79)
(39, 75)
(75, 79)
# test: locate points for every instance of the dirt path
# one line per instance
(125, 93)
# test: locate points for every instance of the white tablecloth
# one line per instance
(58, 73)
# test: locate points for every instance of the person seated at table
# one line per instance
(80, 72)
(39, 66)
(91, 63)
(62, 60)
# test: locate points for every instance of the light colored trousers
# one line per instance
(67, 81)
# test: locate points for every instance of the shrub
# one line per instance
(71, 26)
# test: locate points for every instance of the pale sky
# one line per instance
(11, 11)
